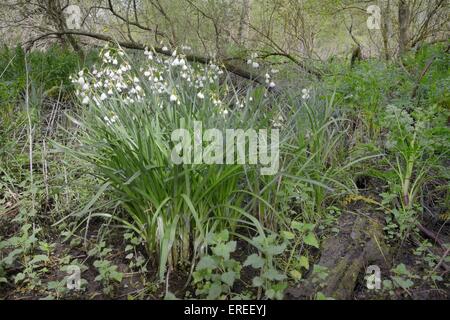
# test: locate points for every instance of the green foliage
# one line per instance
(189, 216)
(48, 72)
(270, 279)
(216, 274)
(108, 273)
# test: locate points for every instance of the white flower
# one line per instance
(305, 94)
(85, 100)
(115, 61)
(176, 62)
(164, 49)
(110, 121)
(255, 64)
(200, 95)
(103, 96)
(173, 98)
(272, 84)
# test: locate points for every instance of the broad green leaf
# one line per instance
(310, 239)
(255, 261)
(403, 283)
(287, 235)
(223, 250)
(206, 262)
(304, 262)
(214, 291)
(257, 282)
(273, 274)
(296, 275)
(228, 278)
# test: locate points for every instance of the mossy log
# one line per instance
(346, 255)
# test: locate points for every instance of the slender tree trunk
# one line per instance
(385, 29)
(403, 23)
(244, 21)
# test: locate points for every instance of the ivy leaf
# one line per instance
(273, 274)
(228, 278)
(255, 261)
(257, 281)
(214, 291)
(310, 239)
(206, 262)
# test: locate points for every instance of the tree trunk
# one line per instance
(244, 21)
(385, 30)
(403, 24)
(56, 16)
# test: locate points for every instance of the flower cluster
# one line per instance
(305, 94)
(252, 61)
(170, 77)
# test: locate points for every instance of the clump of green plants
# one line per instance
(409, 144)
(271, 282)
(402, 278)
(21, 253)
(216, 274)
(108, 273)
(127, 126)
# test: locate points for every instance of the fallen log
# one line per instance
(345, 256)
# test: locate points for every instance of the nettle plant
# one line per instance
(125, 134)
(26, 253)
(217, 272)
